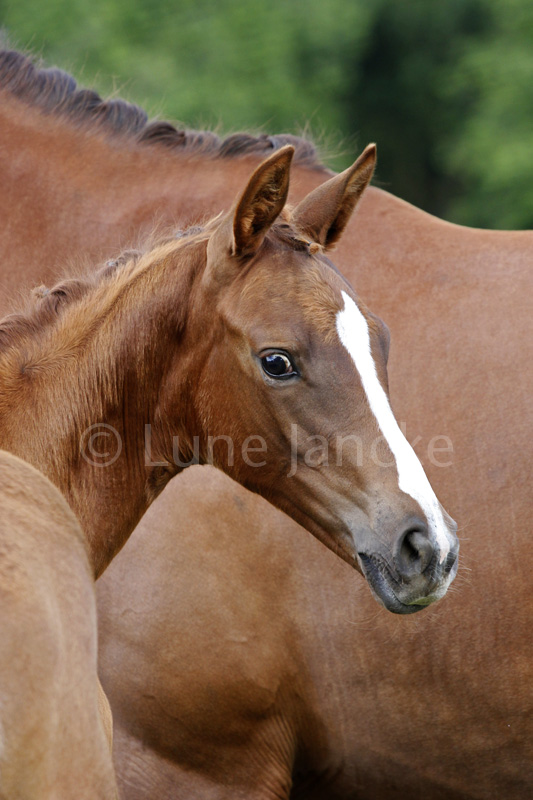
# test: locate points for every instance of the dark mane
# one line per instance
(55, 92)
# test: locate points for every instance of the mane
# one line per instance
(45, 306)
(55, 92)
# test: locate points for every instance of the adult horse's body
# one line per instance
(244, 662)
(232, 334)
(458, 722)
(52, 736)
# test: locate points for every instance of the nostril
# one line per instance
(414, 552)
(451, 559)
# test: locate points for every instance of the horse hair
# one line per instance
(55, 92)
(45, 305)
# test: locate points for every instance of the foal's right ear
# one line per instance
(242, 232)
(261, 202)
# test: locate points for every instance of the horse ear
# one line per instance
(324, 213)
(261, 202)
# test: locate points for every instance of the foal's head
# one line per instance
(288, 387)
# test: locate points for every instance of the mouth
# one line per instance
(382, 590)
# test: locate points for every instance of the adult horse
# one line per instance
(414, 686)
(250, 291)
(53, 738)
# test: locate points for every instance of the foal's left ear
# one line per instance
(324, 213)
(261, 202)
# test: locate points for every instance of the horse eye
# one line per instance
(278, 365)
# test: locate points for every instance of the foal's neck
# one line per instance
(76, 396)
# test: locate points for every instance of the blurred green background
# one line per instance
(445, 88)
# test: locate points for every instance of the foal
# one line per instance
(237, 341)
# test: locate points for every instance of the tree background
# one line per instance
(445, 87)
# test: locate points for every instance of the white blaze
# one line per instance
(353, 333)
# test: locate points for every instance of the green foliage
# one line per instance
(240, 65)
(493, 155)
(445, 88)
